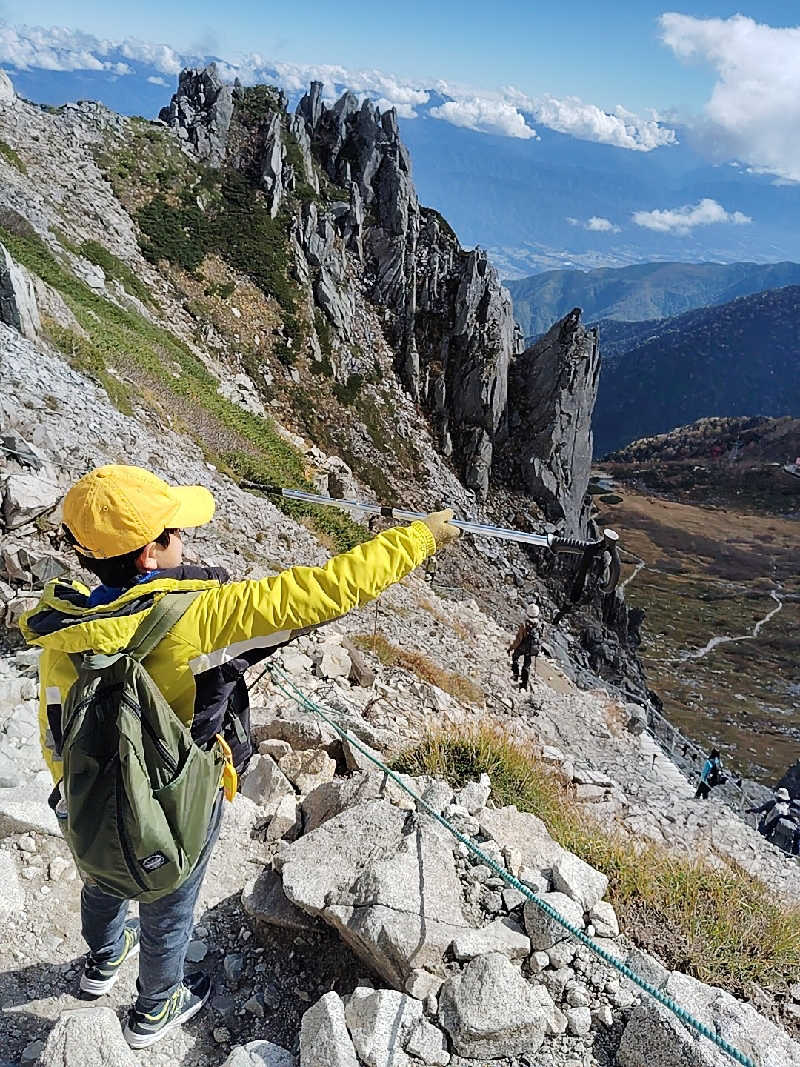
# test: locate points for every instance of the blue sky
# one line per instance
(623, 73)
(608, 53)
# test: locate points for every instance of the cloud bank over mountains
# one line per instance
(751, 117)
(507, 112)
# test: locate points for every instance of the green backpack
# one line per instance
(139, 792)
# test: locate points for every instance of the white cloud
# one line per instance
(165, 59)
(601, 225)
(682, 220)
(157, 80)
(571, 115)
(597, 224)
(57, 48)
(387, 90)
(754, 109)
(486, 116)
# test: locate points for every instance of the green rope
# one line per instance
(282, 680)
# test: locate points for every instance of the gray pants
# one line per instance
(166, 927)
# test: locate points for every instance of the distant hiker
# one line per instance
(772, 811)
(526, 646)
(710, 776)
(794, 816)
(139, 693)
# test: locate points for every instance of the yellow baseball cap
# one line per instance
(114, 510)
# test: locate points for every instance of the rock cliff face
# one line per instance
(547, 449)
(18, 307)
(451, 321)
(447, 316)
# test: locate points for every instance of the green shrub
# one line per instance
(8, 153)
(347, 392)
(175, 233)
(224, 290)
(237, 227)
(255, 103)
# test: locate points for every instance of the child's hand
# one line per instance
(438, 522)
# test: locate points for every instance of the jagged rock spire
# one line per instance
(547, 449)
(201, 112)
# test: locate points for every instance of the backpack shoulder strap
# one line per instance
(158, 622)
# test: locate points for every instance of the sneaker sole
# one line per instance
(96, 986)
(139, 1041)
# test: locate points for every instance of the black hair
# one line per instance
(715, 753)
(117, 572)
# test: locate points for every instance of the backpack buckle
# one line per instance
(230, 779)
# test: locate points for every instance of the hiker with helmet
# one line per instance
(710, 776)
(772, 811)
(141, 714)
(526, 646)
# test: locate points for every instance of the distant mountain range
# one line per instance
(551, 201)
(742, 463)
(752, 439)
(739, 358)
(642, 292)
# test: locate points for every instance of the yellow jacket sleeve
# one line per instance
(304, 596)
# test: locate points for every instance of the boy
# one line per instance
(125, 525)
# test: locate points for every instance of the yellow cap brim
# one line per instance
(195, 506)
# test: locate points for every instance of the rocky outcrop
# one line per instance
(654, 1035)
(386, 881)
(272, 166)
(18, 307)
(7, 94)
(200, 112)
(791, 780)
(450, 319)
(547, 448)
(491, 1011)
(88, 1036)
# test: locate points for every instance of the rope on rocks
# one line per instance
(284, 683)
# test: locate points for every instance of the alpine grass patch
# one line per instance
(715, 923)
(457, 685)
(12, 157)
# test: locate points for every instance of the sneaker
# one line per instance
(100, 975)
(145, 1028)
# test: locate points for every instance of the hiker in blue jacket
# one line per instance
(710, 776)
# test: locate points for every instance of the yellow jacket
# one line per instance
(221, 623)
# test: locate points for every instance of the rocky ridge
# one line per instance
(385, 274)
(449, 319)
(548, 439)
